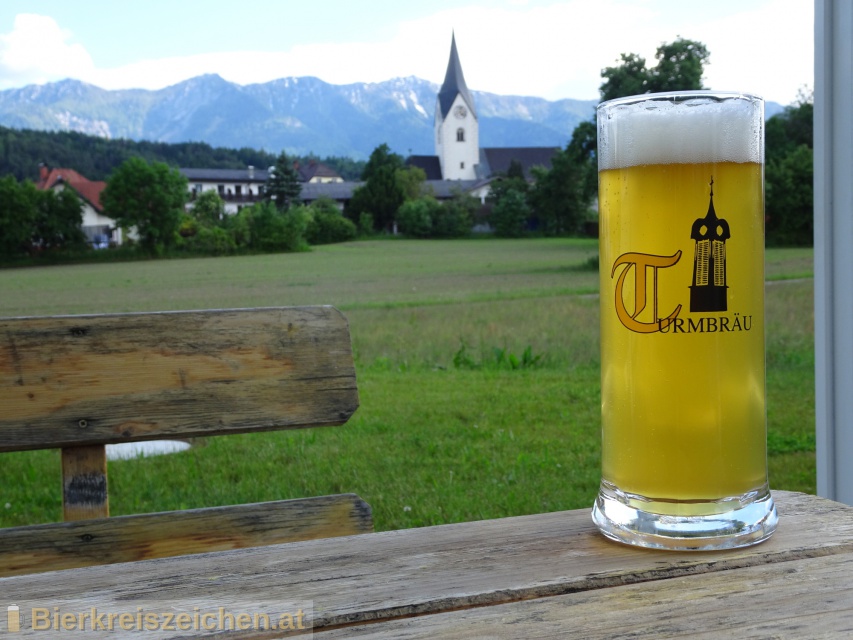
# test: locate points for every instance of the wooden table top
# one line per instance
(542, 576)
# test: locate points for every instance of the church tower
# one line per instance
(457, 135)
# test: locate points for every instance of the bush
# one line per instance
(274, 230)
(326, 224)
(214, 241)
(455, 217)
(510, 214)
(415, 217)
(365, 224)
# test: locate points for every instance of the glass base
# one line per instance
(685, 526)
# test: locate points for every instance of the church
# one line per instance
(458, 155)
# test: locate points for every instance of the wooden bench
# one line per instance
(79, 383)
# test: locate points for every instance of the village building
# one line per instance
(243, 187)
(459, 165)
(458, 155)
(98, 228)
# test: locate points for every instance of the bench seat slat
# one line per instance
(66, 545)
(84, 380)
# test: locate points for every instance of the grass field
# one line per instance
(456, 422)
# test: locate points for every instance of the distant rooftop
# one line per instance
(89, 190)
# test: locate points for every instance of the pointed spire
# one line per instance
(710, 227)
(454, 84)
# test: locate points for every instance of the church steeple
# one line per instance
(457, 136)
(454, 83)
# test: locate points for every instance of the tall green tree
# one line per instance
(561, 196)
(59, 216)
(283, 186)
(381, 194)
(507, 200)
(411, 180)
(149, 197)
(789, 174)
(629, 78)
(17, 217)
(510, 214)
(680, 66)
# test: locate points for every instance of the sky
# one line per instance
(543, 48)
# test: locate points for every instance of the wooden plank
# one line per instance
(81, 380)
(396, 574)
(810, 598)
(84, 483)
(86, 543)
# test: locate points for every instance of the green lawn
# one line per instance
(447, 429)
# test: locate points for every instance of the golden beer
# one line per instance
(681, 226)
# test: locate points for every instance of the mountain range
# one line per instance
(300, 115)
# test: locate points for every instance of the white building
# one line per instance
(97, 227)
(458, 155)
(243, 187)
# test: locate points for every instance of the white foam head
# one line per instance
(680, 127)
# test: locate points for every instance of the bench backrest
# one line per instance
(79, 383)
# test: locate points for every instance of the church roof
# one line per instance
(454, 84)
(430, 165)
(496, 160)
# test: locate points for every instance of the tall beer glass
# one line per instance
(681, 206)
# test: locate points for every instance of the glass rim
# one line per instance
(677, 97)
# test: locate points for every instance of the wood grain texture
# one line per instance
(800, 599)
(68, 545)
(82, 380)
(434, 570)
(84, 483)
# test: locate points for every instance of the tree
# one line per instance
(149, 197)
(381, 194)
(271, 229)
(208, 209)
(17, 218)
(510, 214)
(679, 68)
(455, 217)
(411, 181)
(789, 172)
(561, 197)
(790, 198)
(283, 186)
(630, 78)
(59, 216)
(515, 170)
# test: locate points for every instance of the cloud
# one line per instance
(37, 50)
(554, 50)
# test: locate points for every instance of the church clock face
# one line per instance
(460, 112)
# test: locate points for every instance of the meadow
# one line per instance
(478, 373)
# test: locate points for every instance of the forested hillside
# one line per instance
(95, 157)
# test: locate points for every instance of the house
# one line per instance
(237, 187)
(316, 172)
(243, 187)
(458, 155)
(98, 228)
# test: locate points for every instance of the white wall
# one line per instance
(458, 159)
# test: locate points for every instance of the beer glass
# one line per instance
(681, 224)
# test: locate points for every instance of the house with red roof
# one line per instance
(97, 227)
